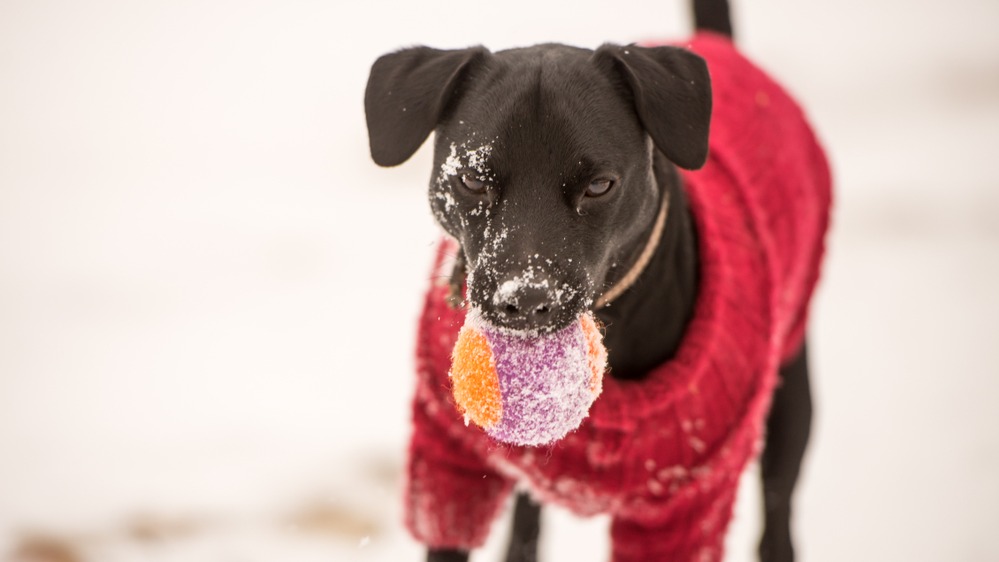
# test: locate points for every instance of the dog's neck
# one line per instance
(644, 326)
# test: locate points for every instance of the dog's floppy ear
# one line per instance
(407, 92)
(671, 90)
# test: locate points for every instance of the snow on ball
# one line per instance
(527, 389)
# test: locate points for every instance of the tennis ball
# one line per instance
(526, 388)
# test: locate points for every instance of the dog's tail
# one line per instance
(712, 15)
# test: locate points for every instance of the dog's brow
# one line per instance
(462, 156)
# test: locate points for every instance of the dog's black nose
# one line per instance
(525, 304)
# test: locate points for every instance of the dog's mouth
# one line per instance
(533, 300)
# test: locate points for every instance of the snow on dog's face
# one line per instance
(543, 174)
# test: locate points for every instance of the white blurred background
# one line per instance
(208, 291)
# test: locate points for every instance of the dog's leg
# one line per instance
(787, 435)
(526, 528)
(523, 541)
(447, 555)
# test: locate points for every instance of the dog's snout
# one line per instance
(523, 299)
(528, 297)
(525, 304)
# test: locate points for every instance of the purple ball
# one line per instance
(527, 389)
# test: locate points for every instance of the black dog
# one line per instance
(581, 147)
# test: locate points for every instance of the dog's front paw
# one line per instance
(776, 547)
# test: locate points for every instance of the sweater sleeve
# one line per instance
(690, 527)
(452, 497)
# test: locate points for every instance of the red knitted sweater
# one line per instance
(661, 455)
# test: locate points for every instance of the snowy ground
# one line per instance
(207, 291)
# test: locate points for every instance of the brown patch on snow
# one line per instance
(147, 527)
(45, 548)
(335, 521)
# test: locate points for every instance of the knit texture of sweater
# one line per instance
(661, 455)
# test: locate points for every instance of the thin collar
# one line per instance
(643, 259)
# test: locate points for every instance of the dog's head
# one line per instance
(543, 161)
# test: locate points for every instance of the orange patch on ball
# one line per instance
(596, 353)
(473, 379)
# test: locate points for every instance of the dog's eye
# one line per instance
(599, 187)
(473, 183)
